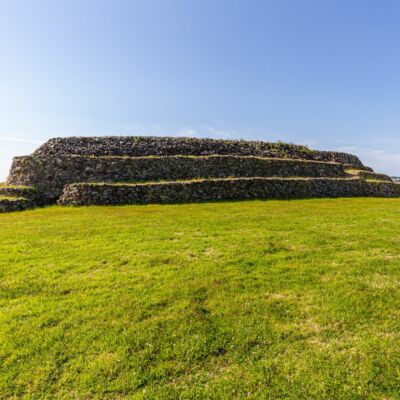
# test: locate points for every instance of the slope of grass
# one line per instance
(257, 299)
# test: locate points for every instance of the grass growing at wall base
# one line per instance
(11, 198)
(255, 299)
(6, 185)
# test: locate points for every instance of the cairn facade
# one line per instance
(140, 170)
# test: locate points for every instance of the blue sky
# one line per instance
(321, 72)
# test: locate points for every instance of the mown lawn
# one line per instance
(257, 299)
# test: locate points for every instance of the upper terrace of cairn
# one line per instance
(142, 146)
(269, 170)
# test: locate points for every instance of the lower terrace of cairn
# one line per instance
(138, 170)
(17, 198)
(223, 189)
(8, 204)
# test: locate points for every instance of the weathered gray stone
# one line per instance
(226, 189)
(198, 170)
(141, 146)
(50, 175)
(16, 204)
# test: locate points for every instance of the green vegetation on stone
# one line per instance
(8, 186)
(10, 198)
(257, 299)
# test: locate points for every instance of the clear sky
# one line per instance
(321, 72)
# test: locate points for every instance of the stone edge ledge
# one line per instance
(224, 189)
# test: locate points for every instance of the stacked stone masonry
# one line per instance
(143, 146)
(16, 198)
(140, 170)
(16, 204)
(224, 189)
(50, 175)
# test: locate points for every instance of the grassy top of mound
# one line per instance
(255, 299)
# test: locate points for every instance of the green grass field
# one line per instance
(256, 299)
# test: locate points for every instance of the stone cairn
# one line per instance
(142, 170)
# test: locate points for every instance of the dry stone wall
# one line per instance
(51, 174)
(16, 204)
(374, 176)
(142, 146)
(19, 191)
(224, 189)
(87, 170)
